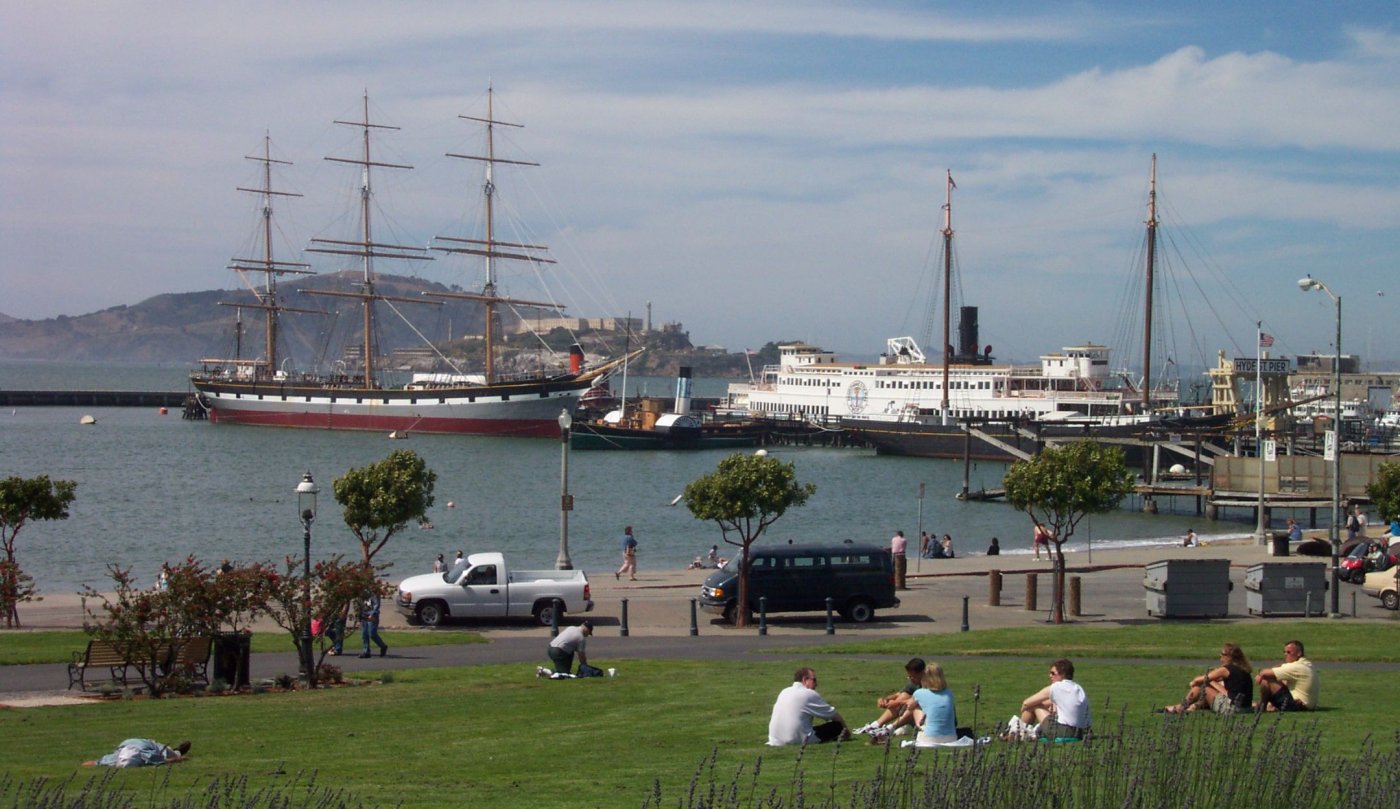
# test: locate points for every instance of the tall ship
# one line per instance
(963, 403)
(263, 391)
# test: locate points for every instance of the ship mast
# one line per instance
(489, 248)
(266, 264)
(367, 249)
(1147, 314)
(947, 287)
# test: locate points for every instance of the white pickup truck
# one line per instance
(485, 588)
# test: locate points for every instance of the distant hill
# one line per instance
(183, 328)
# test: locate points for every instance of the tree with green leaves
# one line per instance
(745, 495)
(1384, 491)
(23, 500)
(1060, 486)
(382, 498)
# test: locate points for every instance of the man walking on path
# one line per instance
(369, 624)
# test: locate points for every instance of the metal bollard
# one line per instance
(964, 623)
(830, 624)
(624, 632)
(763, 615)
(554, 618)
(1030, 591)
(1074, 593)
(1353, 603)
(694, 625)
(994, 588)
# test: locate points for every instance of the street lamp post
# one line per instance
(566, 501)
(1307, 285)
(306, 504)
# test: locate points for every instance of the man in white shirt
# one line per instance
(791, 722)
(1060, 708)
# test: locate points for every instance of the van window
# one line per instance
(807, 563)
(859, 561)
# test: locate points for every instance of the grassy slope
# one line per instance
(496, 736)
(58, 646)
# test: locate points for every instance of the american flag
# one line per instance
(1266, 340)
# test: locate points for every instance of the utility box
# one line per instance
(1188, 588)
(1285, 588)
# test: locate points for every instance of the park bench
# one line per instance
(189, 656)
(100, 654)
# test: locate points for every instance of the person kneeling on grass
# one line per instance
(1289, 686)
(1225, 690)
(791, 722)
(894, 708)
(141, 753)
(1060, 709)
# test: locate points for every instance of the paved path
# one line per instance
(658, 609)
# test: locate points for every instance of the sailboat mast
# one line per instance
(1151, 266)
(947, 286)
(488, 189)
(367, 259)
(270, 285)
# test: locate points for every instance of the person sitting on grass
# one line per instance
(1224, 690)
(141, 753)
(1060, 709)
(791, 721)
(894, 708)
(935, 714)
(1289, 686)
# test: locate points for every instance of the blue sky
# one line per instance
(757, 171)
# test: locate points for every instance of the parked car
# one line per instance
(1381, 584)
(483, 587)
(859, 579)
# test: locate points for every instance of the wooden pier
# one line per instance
(92, 398)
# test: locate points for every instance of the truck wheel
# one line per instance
(860, 611)
(544, 614)
(731, 612)
(1390, 600)
(431, 613)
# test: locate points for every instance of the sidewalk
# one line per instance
(659, 613)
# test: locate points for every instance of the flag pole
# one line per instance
(1259, 537)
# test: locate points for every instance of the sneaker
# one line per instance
(383, 650)
(366, 654)
(902, 730)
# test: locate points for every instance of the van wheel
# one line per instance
(431, 613)
(860, 611)
(1390, 600)
(730, 612)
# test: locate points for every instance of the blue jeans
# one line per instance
(369, 630)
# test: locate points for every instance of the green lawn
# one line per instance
(496, 736)
(1324, 639)
(58, 646)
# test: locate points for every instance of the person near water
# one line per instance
(629, 556)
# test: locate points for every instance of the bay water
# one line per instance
(155, 488)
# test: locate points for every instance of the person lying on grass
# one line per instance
(141, 753)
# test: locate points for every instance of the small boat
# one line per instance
(648, 425)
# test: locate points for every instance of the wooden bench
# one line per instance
(100, 654)
(189, 656)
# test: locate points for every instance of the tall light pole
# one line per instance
(306, 504)
(566, 501)
(1307, 285)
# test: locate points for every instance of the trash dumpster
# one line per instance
(1278, 543)
(1188, 588)
(233, 651)
(1285, 588)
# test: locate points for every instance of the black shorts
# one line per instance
(1283, 700)
(828, 732)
